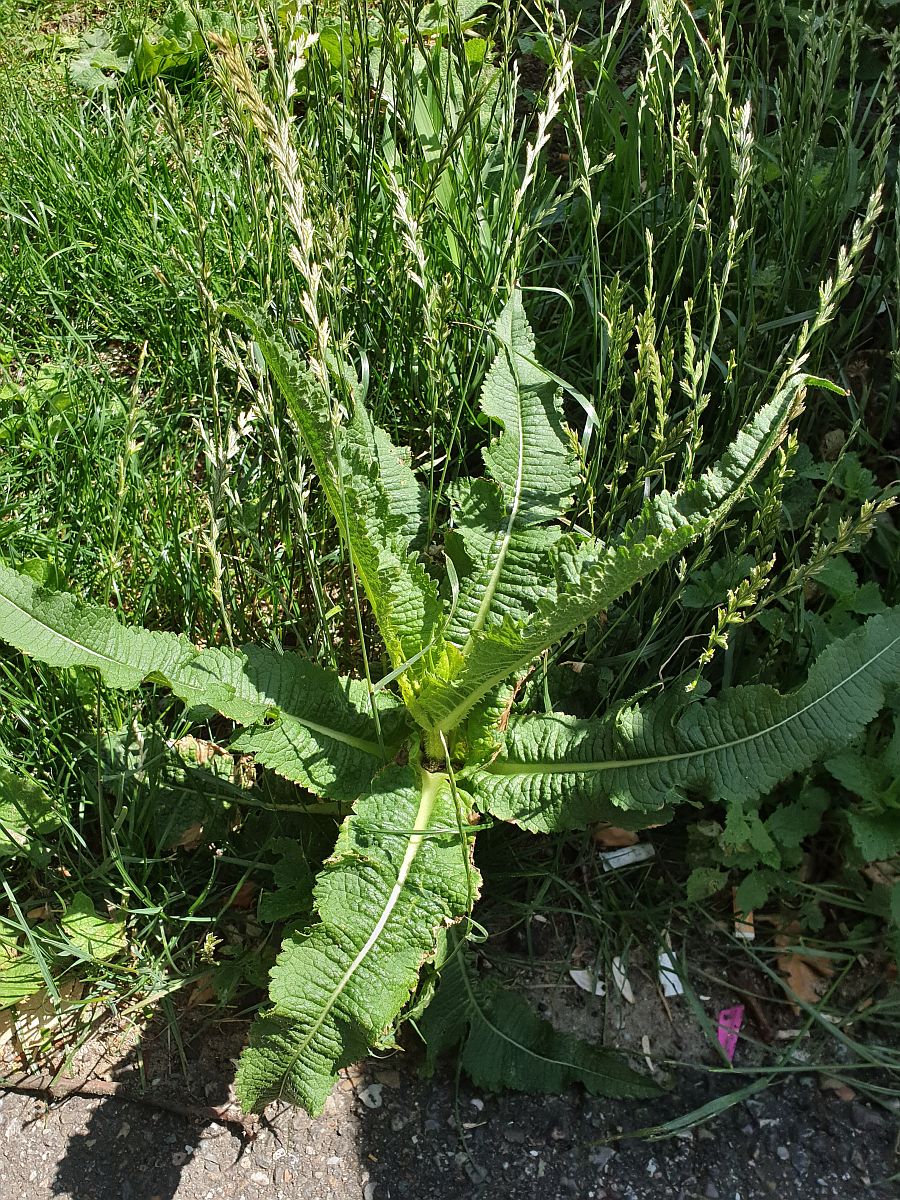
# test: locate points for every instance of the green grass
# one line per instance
(671, 209)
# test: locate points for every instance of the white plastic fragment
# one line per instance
(621, 980)
(669, 979)
(626, 856)
(371, 1095)
(645, 1047)
(588, 982)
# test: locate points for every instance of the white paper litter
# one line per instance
(645, 1046)
(371, 1095)
(626, 856)
(588, 982)
(668, 975)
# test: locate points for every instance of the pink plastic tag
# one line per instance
(730, 1022)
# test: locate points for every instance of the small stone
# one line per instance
(514, 1135)
(260, 1178)
(800, 1160)
(398, 1122)
(432, 1126)
(475, 1172)
(711, 1192)
(477, 1104)
(179, 1158)
(287, 1176)
(865, 1117)
(602, 1158)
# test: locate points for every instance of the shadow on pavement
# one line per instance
(136, 1148)
(387, 1134)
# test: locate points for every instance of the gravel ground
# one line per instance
(388, 1135)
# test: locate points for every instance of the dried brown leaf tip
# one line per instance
(805, 973)
(611, 837)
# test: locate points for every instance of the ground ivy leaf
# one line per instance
(94, 936)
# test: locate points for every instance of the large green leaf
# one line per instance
(93, 936)
(26, 809)
(505, 1044)
(508, 576)
(372, 492)
(534, 473)
(400, 872)
(589, 576)
(310, 725)
(306, 723)
(57, 629)
(20, 974)
(383, 470)
(557, 772)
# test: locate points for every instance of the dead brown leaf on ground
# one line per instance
(611, 837)
(806, 974)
